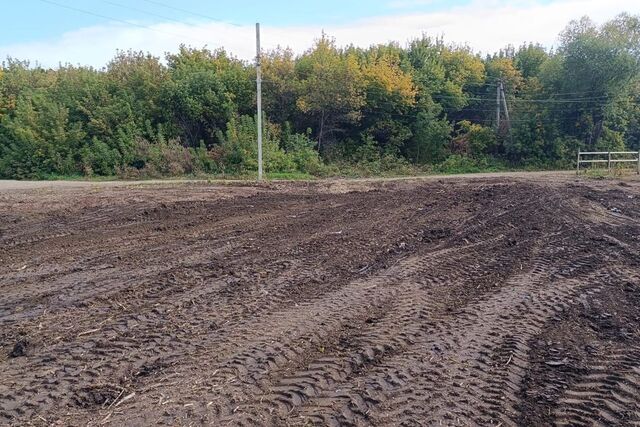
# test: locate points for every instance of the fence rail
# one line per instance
(610, 160)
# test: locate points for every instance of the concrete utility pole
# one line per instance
(506, 108)
(259, 99)
(502, 95)
(498, 108)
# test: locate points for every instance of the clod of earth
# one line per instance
(19, 349)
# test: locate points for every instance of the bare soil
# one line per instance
(504, 300)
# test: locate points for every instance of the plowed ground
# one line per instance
(507, 301)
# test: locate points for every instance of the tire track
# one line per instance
(475, 344)
(402, 305)
(607, 394)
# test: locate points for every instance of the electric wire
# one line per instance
(134, 9)
(122, 21)
(179, 9)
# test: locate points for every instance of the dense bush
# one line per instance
(381, 110)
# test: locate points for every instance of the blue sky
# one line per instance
(29, 20)
(51, 32)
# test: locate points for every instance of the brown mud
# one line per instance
(492, 301)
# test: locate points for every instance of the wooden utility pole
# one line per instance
(259, 99)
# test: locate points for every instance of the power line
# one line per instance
(179, 9)
(124, 6)
(550, 100)
(522, 104)
(548, 105)
(122, 21)
(561, 101)
(517, 120)
(532, 120)
(515, 109)
(495, 79)
(578, 93)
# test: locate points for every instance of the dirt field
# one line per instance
(485, 301)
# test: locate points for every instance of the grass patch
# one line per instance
(614, 173)
(454, 165)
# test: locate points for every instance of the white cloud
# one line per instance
(484, 25)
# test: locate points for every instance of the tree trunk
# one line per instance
(320, 134)
(597, 132)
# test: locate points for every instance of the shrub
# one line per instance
(203, 160)
(168, 158)
(473, 139)
(302, 151)
(238, 152)
(98, 158)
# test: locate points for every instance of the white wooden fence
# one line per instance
(608, 157)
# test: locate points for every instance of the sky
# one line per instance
(89, 32)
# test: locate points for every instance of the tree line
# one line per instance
(389, 107)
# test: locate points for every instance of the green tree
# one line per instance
(281, 86)
(332, 89)
(529, 58)
(39, 139)
(596, 66)
(199, 102)
(389, 94)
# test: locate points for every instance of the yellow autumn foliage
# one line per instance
(385, 75)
